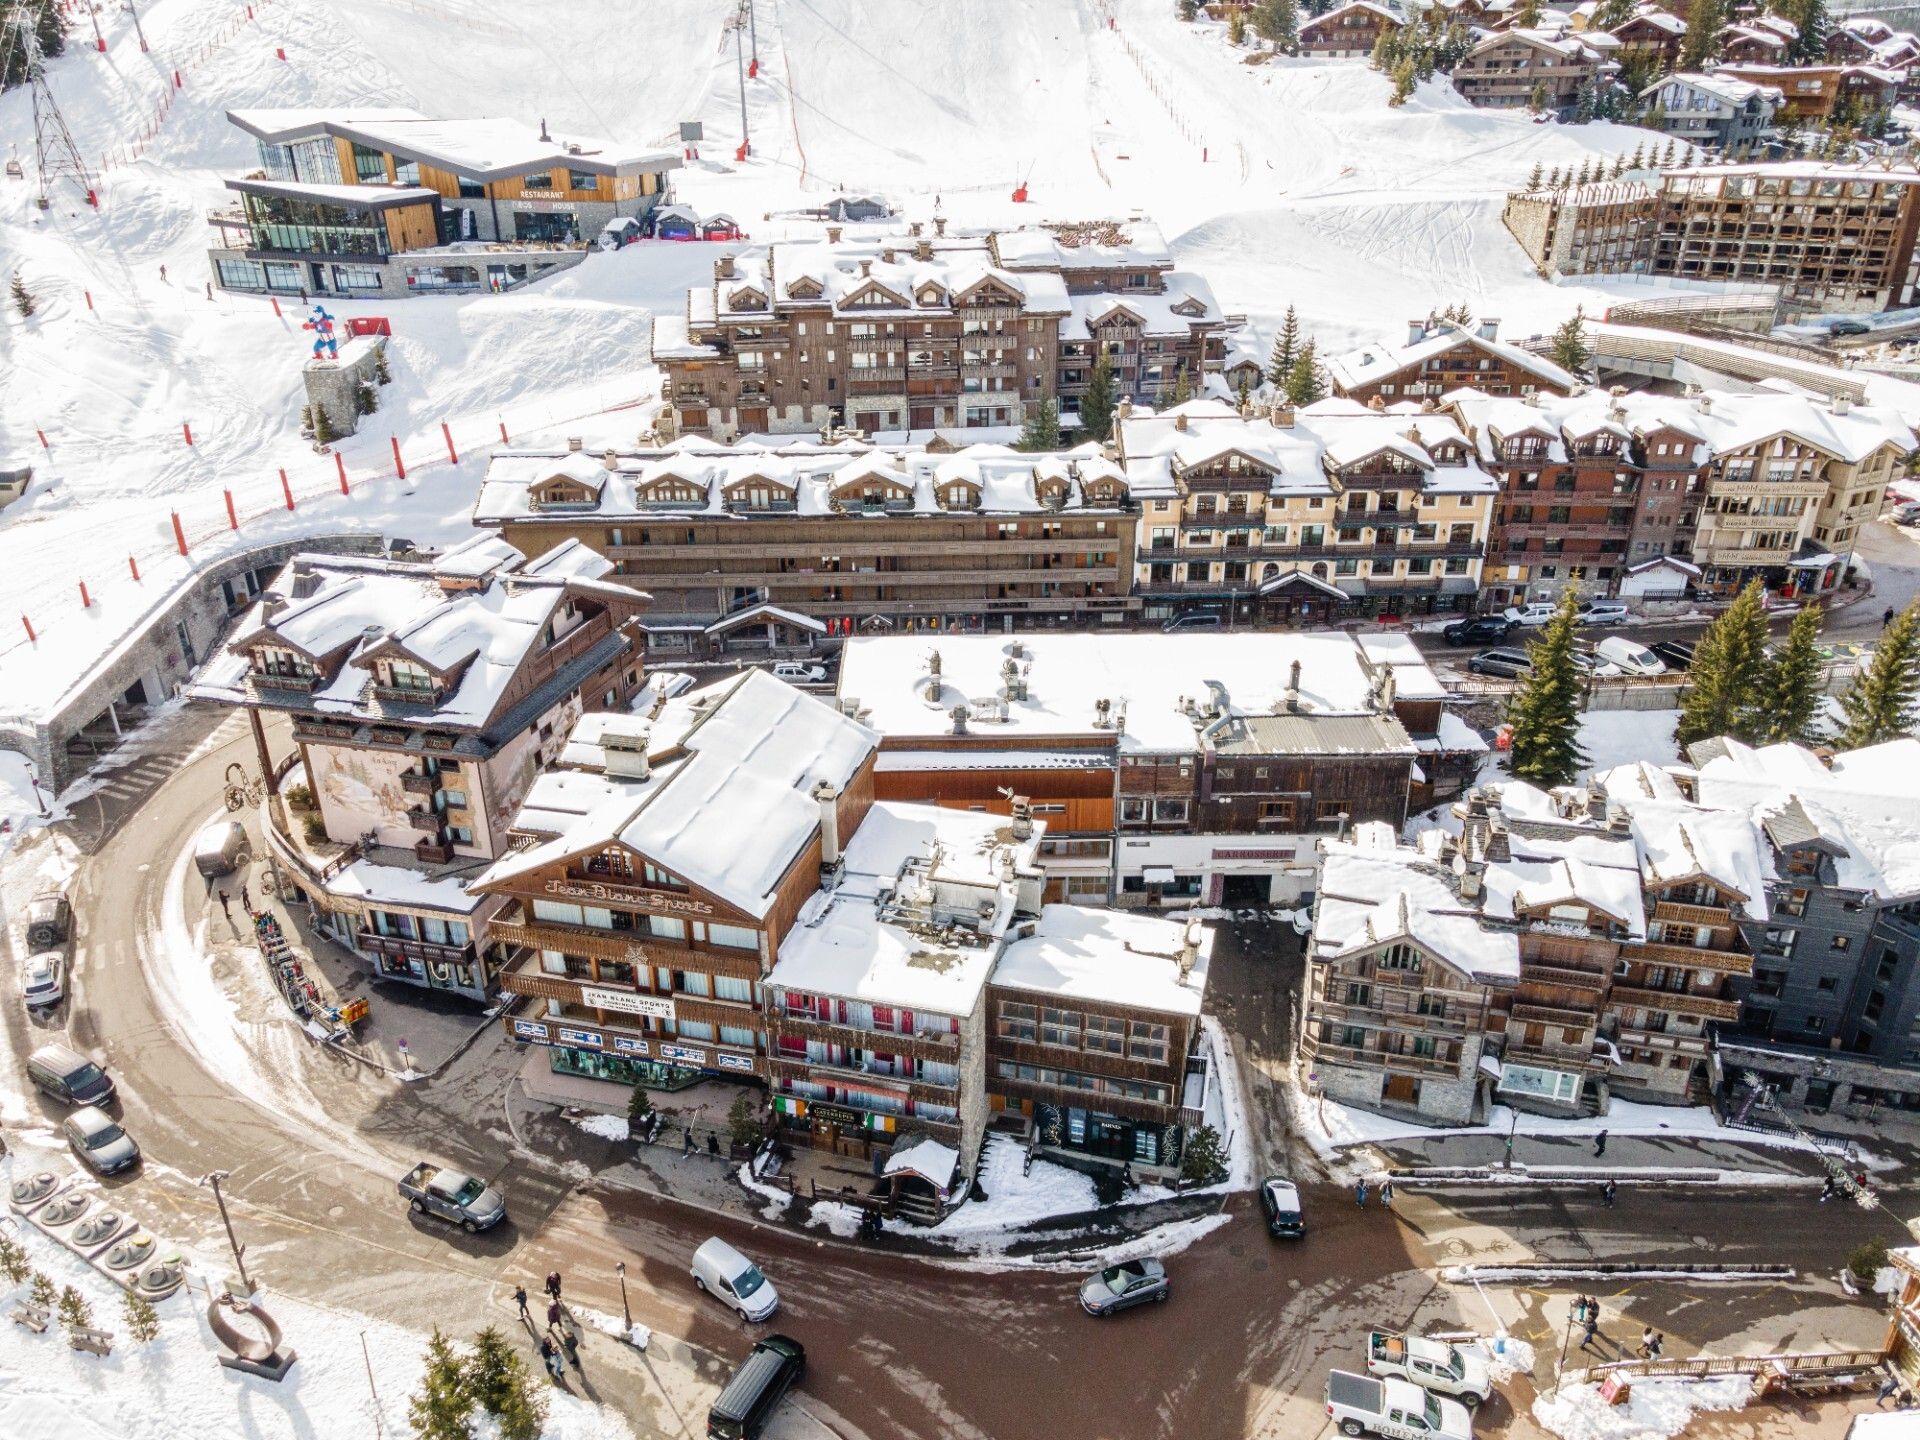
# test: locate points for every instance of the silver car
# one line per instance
(43, 980)
(96, 1137)
(1121, 1287)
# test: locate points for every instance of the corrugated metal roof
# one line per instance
(1298, 734)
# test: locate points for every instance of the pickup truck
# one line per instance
(471, 1204)
(1431, 1364)
(1362, 1405)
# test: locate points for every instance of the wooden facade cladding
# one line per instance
(1086, 795)
(1121, 1105)
(944, 1049)
(411, 227)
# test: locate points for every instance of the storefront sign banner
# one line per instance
(626, 895)
(626, 1002)
(590, 1038)
(627, 1045)
(685, 1054)
(734, 1062)
(530, 1029)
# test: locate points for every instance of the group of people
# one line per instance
(559, 1342)
(1360, 1190)
(1586, 1314)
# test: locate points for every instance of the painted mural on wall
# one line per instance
(358, 791)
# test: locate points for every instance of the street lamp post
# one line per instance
(620, 1269)
(1566, 1338)
(213, 1178)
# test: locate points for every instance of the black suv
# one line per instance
(1481, 630)
(772, 1367)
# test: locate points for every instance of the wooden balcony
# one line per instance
(512, 927)
(1530, 1014)
(425, 820)
(1455, 1024)
(944, 1048)
(1561, 975)
(1378, 1059)
(431, 850)
(785, 1067)
(1706, 1007)
(424, 951)
(1675, 913)
(418, 782)
(1725, 962)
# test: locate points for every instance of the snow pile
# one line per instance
(776, 1198)
(1654, 1410)
(1015, 1199)
(1506, 1358)
(636, 1335)
(1620, 737)
(171, 1387)
(607, 1127)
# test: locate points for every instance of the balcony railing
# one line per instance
(428, 821)
(1705, 1006)
(418, 782)
(401, 948)
(432, 851)
(1727, 962)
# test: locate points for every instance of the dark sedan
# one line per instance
(1480, 630)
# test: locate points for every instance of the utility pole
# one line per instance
(213, 1178)
(753, 31)
(740, 65)
(620, 1269)
(136, 26)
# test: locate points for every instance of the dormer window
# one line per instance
(284, 664)
(959, 496)
(405, 675)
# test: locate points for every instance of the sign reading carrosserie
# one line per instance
(599, 893)
(627, 1002)
(684, 1054)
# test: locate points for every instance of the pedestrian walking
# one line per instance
(1827, 1190)
(1885, 1392)
(209, 290)
(1655, 1346)
(555, 1315)
(226, 909)
(1606, 1194)
(1600, 1144)
(1589, 1326)
(553, 1284)
(571, 1344)
(520, 1299)
(1360, 1194)
(163, 274)
(686, 1141)
(713, 1145)
(246, 900)
(1646, 1342)
(550, 1357)
(1386, 1194)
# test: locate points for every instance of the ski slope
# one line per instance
(1286, 183)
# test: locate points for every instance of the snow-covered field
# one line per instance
(1288, 183)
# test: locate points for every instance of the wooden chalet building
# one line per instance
(1439, 356)
(1817, 92)
(1518, 69)
(1349, 31)
(1651, 33)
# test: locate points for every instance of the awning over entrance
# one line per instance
(764, 614)
(1300, 577)
(1157, 875)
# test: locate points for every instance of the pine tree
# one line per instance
(1182, 387)
(1286, 345)
(639, 1107)
(1527, 16)
(1189, 10)
(1545, 711)
(1639, 161)
(1791, 689)
(381, 373)
(364, 400)
(495, 1378)
(1666, 157)
(323, 431)
(1236, 27)
(1611, 14)
(23, 300)
(1879, 705)
(523, 1414)
(439, 1408)
(1569, 350)
(1205, 1159)
(1537, 97)
(1533, 180)
(41, 1291)
(1278, 23)
(1809, 47)
(1705, 20)
(743, 1126)
(1553, 178)
(1245, 394)
(1585, 174)
(13, 1261)
(1619, 166)
(1096, 406)
(75, 1312)
(143, 1321)
(1305, 384)
(50, 23)
(1042, 430)
(1404, 80)
(1729, 667)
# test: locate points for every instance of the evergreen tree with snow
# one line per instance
(1042, 430)
(1724, 682)
(1286, 345)
(1619, 166)
(1533, 180)
(1182, 386)
(1639, 161)
(42, 1290)
(439, 1408)
(1569, 349)
(1096, 406)
(1305, 384)
(1545, 711)
(1586, 174)
(1404, 80)
(639, 1107)
(1189, 10)
(1553, 178)
(495, 1378)
(1612, 14)
(1701, 42)
(1666, 157)
(1386, 52)
(1236, 27)
(143, 1321)
(1527, 16)
(23, 300)
(49, 24)
(381, 374)
(14, 1267)
(75, 1312)
(1537, 97)
(1879, 705)
(323, 432)
(1809, 47)
(1791, 689)
(1278, 23)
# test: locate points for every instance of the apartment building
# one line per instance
(1546, 69)
(1867, 40)
(1831, 1016)
(1650, 33)
(1303, 516)
(1830, 236)
(1818, 92)
(1160, 782)
(1763, 39)
(1439, 356)
(424, 698)
(1349, 31)
(1713, 111)
(930, 331)
(837, 536)
(387, 203)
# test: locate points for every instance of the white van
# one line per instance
(1629, 657)
(722, 1271)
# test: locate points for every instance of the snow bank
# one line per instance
(636, 1335)
(1620, 737)
(607, 1127)
(1654, 1409)
(1015, 1199)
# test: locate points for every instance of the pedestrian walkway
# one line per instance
(1622, 1157)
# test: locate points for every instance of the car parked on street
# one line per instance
(1602, 612)
(798, 672)
(1678, 654)
(723, 1272)
(1509, 664)
(96, 1137)
(1195, 620)
(220, 848)
(1397, 1409)
(1459, 1371)
(68, 1076)
(741, 1411)
(43, 980)
(1280, 1199)
(452, 1195)
(49, 921)
(1480, 630)
(1535, 612)
(1121, 1287)
(1839, 328)
(1629, 657)
(1595, 667)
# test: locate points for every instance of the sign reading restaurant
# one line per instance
(600, 893)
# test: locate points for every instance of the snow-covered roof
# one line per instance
(1389, 13)
(364, 197)
(1187, 301)
(872, 277)
(1371, 364)
(1163, 689)
(1116, 245)
(927, 1158)
(919, 917)
(1372, 894)
(480, 148)
(1116, 957)
(729, 805)
(1729, 88)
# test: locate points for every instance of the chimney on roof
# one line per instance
(1499, 848)
(866, 268)
(958, 715)
(940, 225)
(1293, 687)
(923, 250)
(1180, 422)
(1703, 402)
(1280, 415)
(1842, 404)
(1123, 409)
(1416, 331)
(1469, 876)
(1189, 949)
(610, 459)
(1376, 403)
(574, 442)
(545, 138)
(833, 234)
(914, 229)
(723, 268)
(827, 795)
(886, 255)
(625, 754)
(1021, 809)
(1488, 328)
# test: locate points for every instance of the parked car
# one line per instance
(723, 1272)
(1121, 1287)
(49, 921)
(220, 848)
(68, 1076)
(1535, 612)
(1512, 664)
(1431, 1364)
(1629, 657)
(96, 1137)
(43, 980)
(1678, 654)
(1398, 1409)
(741, 1410)
(1280, 1198)
(1594, 667)
(1838, 328)
(1480, 630)
(452, 1195)
(1905, 513)
(797, 672)
(1195, 620)
(1602, 612)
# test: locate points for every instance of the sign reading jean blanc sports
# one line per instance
(626, 1002)
(597, 892)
